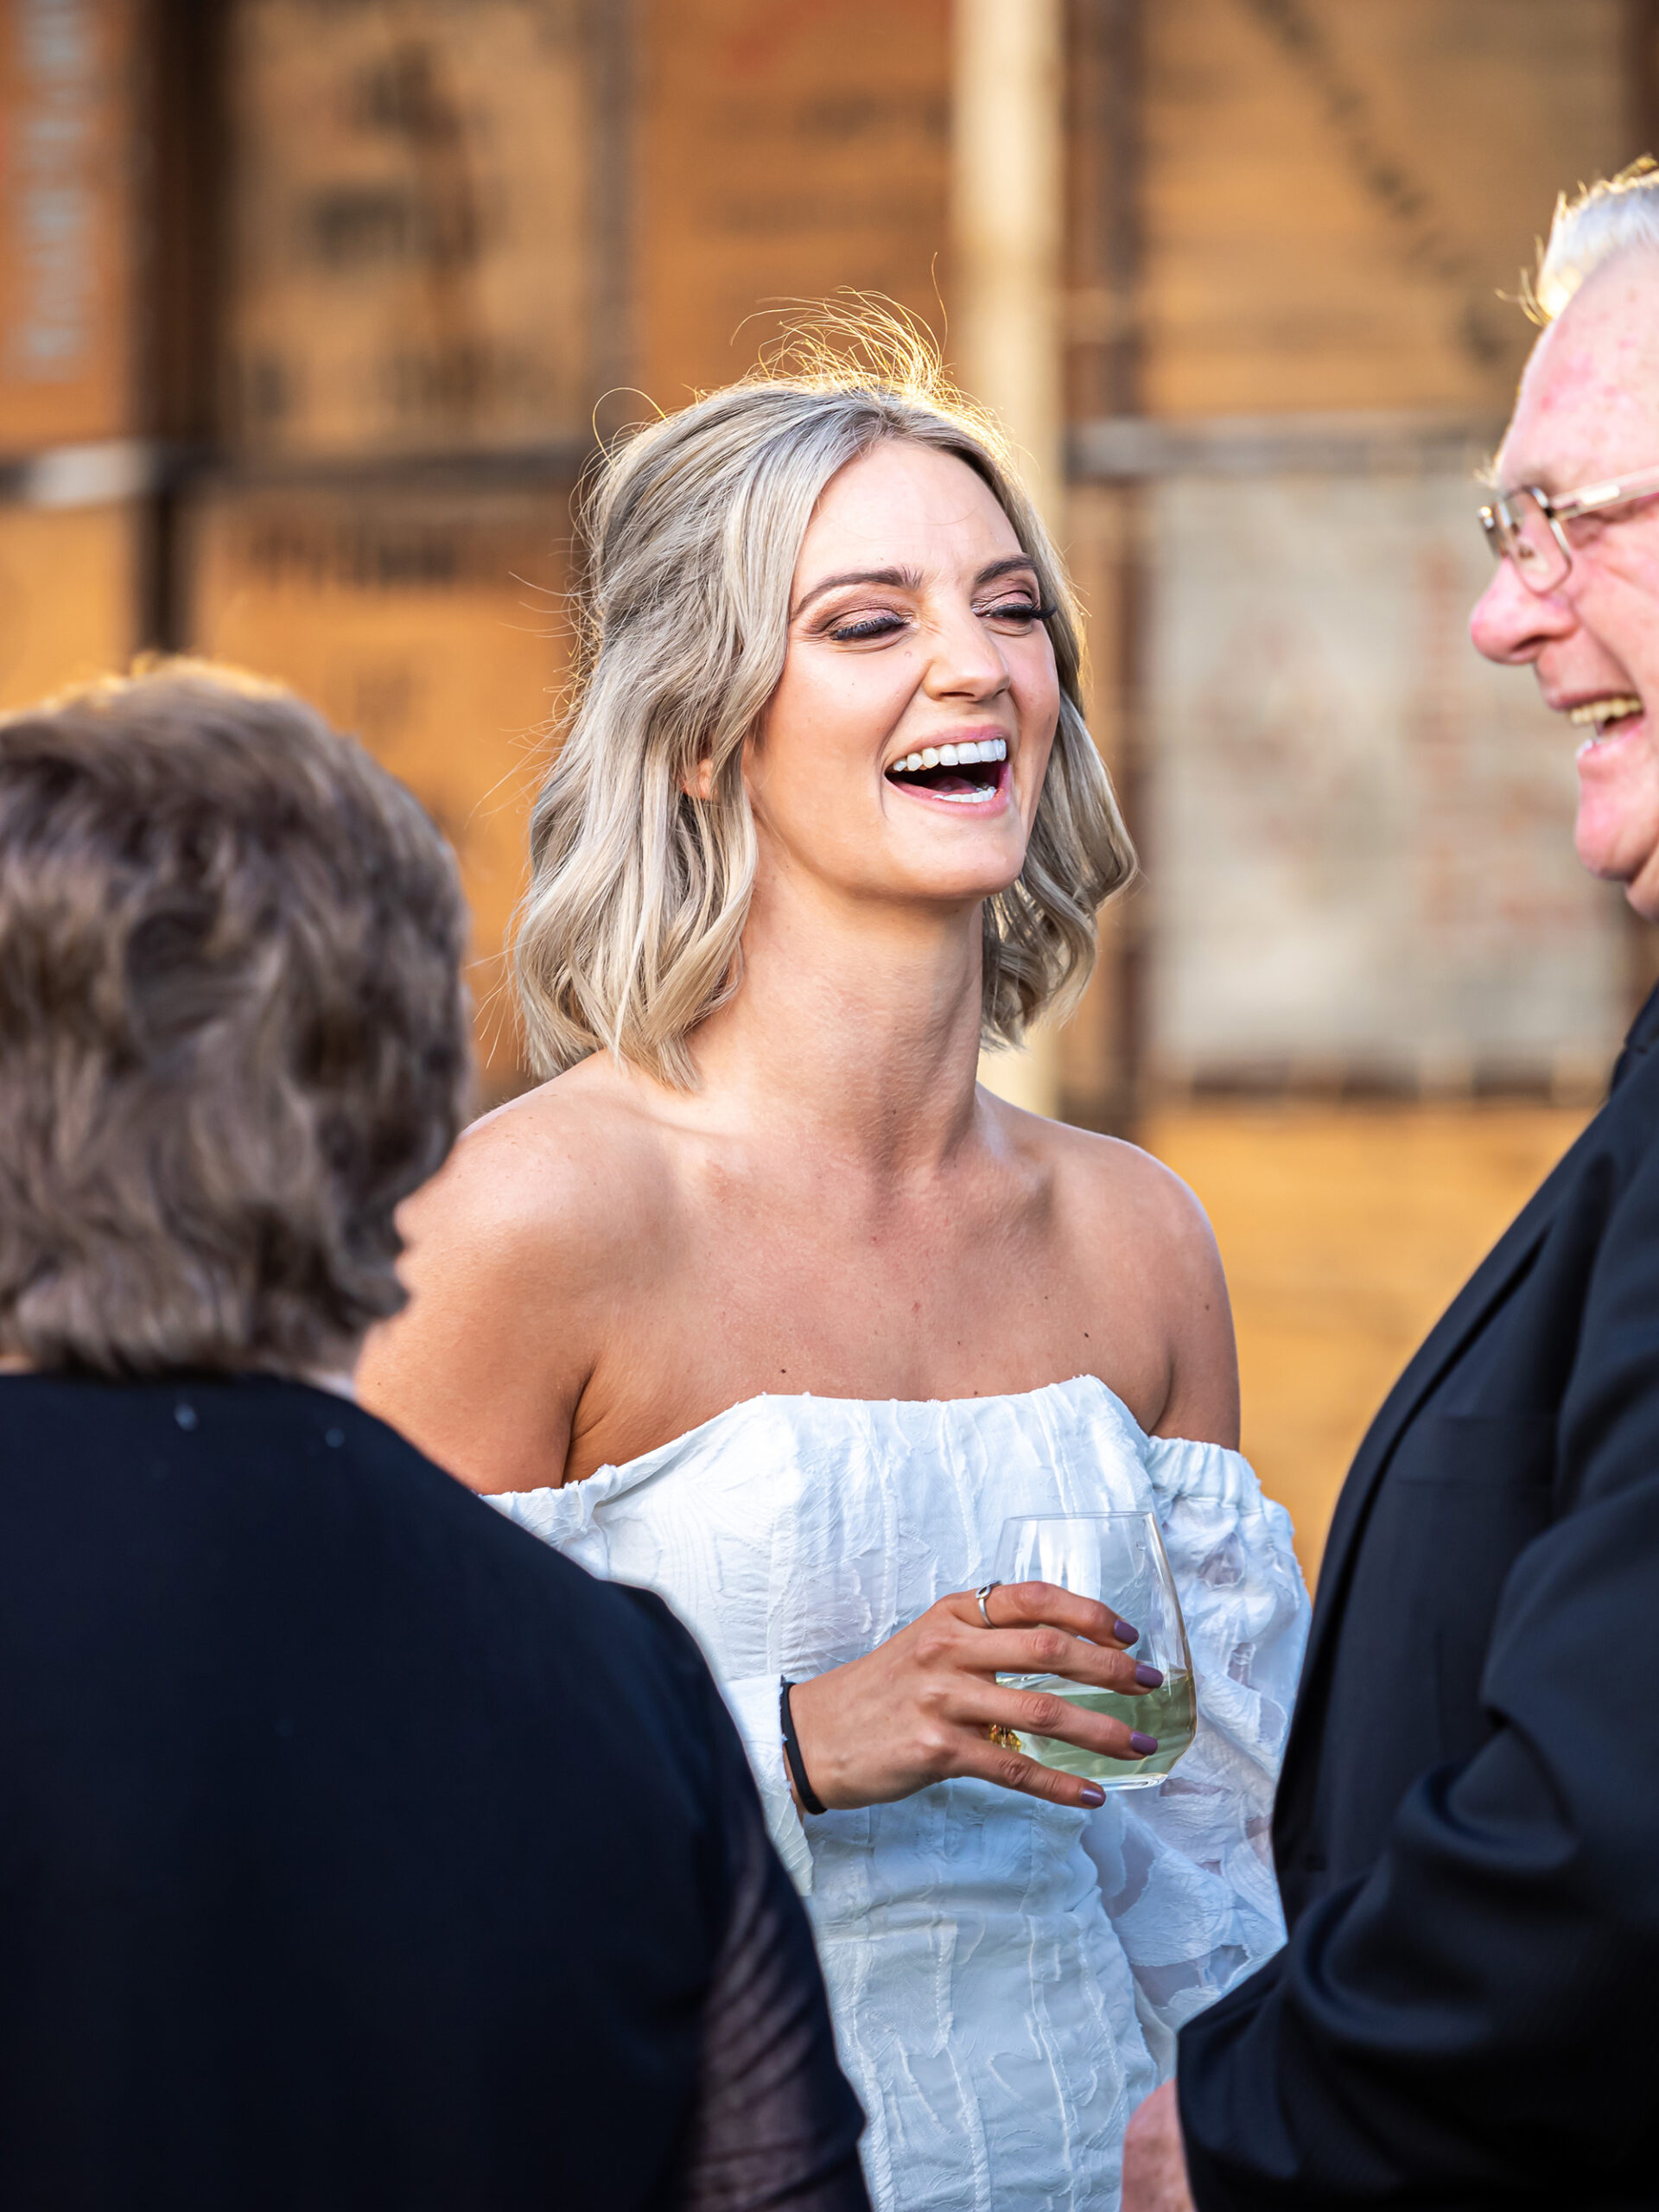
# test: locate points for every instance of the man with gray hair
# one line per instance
(1467, 1827)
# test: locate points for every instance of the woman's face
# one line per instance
(904, 749)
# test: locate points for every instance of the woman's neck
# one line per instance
(856, 1025)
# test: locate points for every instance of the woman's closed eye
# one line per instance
(859, 629)
(1020, 609)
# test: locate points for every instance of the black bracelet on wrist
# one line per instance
(810, 1801)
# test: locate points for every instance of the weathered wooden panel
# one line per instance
(68, 233)
(68, 589)
(432, 624)
(1359, 836)
(788, 148)
(409, 262)
(1338, 190)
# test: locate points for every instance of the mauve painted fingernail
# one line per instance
(1125, 1634)
(1147, 1676)
(1091, 1794)
(1142, 1746)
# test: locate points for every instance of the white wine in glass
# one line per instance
(1119, 1560)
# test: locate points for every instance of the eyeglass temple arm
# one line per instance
(1608, 493)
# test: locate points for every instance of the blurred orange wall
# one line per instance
(1344, 1231)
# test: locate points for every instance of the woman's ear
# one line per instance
(700, 783)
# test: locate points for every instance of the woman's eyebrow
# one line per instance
(902, 579)
(1007, 568)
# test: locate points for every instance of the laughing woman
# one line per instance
(761, 1300)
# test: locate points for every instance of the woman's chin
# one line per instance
(977, 852)
(959, 879)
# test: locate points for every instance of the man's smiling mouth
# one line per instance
(970, 774)
(1599, 717)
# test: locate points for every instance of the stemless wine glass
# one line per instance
(1119, 1558)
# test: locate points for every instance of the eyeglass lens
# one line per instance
(1520, 528)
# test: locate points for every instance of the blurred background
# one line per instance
(312, 310)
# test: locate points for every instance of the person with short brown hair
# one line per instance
(322, 1881)
(236, 1034)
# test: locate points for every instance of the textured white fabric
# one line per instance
(1006, 1975)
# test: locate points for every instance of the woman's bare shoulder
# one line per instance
(1130, 1225)
(1108, 1183)
(1120, 1178)
(577, 1164)
(516, 1257)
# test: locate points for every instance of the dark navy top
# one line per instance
(356, 1850)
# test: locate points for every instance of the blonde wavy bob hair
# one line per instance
(628, 935)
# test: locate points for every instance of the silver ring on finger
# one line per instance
(983, 1594)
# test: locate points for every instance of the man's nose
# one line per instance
(1512, 624)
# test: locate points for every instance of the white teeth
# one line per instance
(1596, 712)
(953, 756)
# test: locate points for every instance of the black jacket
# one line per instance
(1467, 1828)
(357, 1851)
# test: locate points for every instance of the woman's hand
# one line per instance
(921, 1707)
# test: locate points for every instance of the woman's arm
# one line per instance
(1203, 1402)
(1151, 1295)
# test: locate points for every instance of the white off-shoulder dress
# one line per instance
(1006, 1975)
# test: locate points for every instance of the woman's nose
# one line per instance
(1512, 624)
(966, 661)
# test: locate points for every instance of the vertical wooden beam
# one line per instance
(1007, 229)
(1104, 81)
(614, 28)
(1099, 1049)
(1007, 224)
(185, 163)
(180, 260)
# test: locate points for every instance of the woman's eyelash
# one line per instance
(871, 625)
(880, 626)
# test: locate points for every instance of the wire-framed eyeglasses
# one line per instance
(1531, 527)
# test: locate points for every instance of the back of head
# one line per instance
(1615, 216)
(233, 1035)
(629, 933)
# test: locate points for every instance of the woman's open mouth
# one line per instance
(970, 774)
